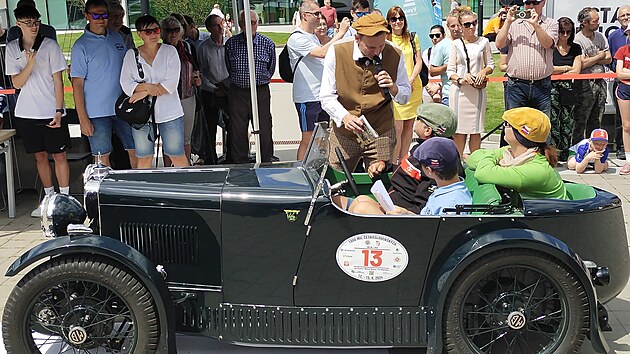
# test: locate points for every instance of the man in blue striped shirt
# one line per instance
(240, 101)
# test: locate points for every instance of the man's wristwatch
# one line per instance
(458, 80)
(59, 110)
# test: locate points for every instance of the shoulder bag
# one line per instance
(482, 85)
(137, 114)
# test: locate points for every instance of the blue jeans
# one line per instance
(172, 133)
(101, 139)
(535, 95)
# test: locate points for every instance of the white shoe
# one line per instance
(37, 213)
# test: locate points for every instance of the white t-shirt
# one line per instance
(308, 73)
(37, 97)
(164, 70)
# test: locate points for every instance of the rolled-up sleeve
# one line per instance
(173, 68)
(128, 81)
(328, 90)
(402, 81)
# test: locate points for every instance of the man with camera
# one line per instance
(360, 79)
(530, 38)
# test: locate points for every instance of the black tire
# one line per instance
(82, 305)
(546, 304)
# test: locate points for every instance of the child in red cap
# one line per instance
(592, 151)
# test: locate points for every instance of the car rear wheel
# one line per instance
(80, 305)
(516, 301)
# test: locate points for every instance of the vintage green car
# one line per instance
(259, 255)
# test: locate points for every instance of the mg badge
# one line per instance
(291, 214)
(516, 320)
(77, 335)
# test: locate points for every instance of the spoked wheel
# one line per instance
(516, 301)
(77, 305)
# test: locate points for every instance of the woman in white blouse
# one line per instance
(161, 67)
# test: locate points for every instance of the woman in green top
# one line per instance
(527, 165)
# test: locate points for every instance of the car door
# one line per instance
(356, 260)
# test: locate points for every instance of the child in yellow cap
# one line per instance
(527, 165)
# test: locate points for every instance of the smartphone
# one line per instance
(522, 14)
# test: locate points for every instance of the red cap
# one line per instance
(599, 134)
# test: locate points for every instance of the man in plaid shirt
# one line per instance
(240, 106)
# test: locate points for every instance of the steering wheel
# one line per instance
(346, 171)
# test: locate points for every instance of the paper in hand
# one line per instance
(368, 134)
(381, 195)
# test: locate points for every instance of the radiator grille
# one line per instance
(163, 244)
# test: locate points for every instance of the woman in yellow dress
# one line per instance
(405, 114)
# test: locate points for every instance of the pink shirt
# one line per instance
(330, 14)
(527, 59)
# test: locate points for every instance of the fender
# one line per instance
(113, 249)
(442, 280)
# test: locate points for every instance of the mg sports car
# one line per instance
(258, 255)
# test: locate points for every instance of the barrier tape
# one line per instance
(609, 75)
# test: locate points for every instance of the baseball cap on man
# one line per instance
(370, 25)
(599, 134)
(439, 118)
(531, 123)
(438, 154)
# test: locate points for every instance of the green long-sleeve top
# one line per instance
(535, 179)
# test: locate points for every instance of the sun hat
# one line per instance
(531, 123)
(370, 25)
(439, 118)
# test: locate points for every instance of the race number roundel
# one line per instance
(372, 257)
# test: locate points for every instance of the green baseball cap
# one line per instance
(438, 117)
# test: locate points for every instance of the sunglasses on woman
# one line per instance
(565, 33)
(150, 31)
(397, 19)
(469, 24)
(99, 16)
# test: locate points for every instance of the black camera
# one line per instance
(522, 14)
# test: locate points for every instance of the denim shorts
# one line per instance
(171, 132)
(101, 139)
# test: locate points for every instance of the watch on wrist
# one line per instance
(59, 110)
(459, 80)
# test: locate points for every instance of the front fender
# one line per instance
(113, 249)
(442, 280)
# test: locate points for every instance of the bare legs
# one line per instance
(62, 169)
(404, 134)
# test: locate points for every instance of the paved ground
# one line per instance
(18, 235)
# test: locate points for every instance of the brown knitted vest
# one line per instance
(358, 90)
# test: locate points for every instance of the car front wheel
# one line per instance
(80, 305)
(516, 301)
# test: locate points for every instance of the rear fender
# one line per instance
(119, 252)
(478, 247)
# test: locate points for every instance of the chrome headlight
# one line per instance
(59, 211)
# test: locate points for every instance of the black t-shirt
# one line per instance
(574, 51)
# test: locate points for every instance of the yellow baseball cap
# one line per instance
(531, 123)
(371, 24)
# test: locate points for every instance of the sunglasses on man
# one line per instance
(103, 16)
(362, 13)
(531, 2)
(435, 35)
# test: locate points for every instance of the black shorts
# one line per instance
(37, 136)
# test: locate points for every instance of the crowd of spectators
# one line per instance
(361, 73)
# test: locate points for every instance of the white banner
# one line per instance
(607, 11)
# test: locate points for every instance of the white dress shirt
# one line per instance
(328, 91)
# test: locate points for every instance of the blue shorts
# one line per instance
(310, 113)
(101, 139)
(623, 92)
(172, 133)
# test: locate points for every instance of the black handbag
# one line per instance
(137, 114)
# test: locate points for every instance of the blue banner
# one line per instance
(420, 14)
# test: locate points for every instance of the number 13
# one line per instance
(376, 258)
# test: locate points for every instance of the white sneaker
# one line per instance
(37, 213)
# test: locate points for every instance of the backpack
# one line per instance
(424, 72)
(284, 63)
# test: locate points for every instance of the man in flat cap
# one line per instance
(360, 79)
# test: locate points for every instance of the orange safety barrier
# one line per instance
(490, 79)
